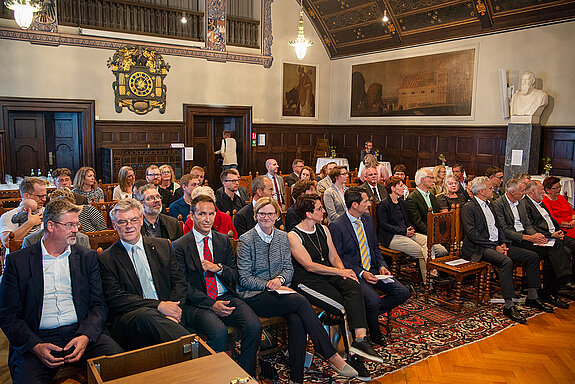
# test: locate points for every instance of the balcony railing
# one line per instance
(243, 32)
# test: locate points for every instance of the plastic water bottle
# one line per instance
(39, 172)
(50, 179)
(32, 173)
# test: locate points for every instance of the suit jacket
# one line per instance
(33, 238)
(334, 203)
(244, 193)
(291, 179)
(417, 210)
(536, 218)
(169, 226)
(506, 220)
(463, 191)
(22, 294)
(347, 245)
(244, 219)
(80, 199)
(190, 262)
(166, 198)
(324, 184)
(389, 224)
(380, 189)
(121, 284)
(476, 232)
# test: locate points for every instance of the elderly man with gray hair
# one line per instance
(156, 224)
(485, 240)
(143, 283)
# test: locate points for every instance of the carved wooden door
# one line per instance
(27, 145)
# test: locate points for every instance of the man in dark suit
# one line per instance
(355, 240)
(52, 308)
(459, 172)
(143, 283)
(63, 179)
(156, 224)
(154, 177)
(485, 240)
(418, 203)
(244, 219)
(375, 191)
(228, 198)
(208, 261)
(297, 165)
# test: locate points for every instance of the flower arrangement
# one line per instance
(547, 165)
(442, 159)
(376, 154)
(332, 150)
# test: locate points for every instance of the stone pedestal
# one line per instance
(527, 138)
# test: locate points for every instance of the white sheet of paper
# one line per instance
(189, 153)
(455, 262)
(549, 243)
(516, 157)
(385, 278)
(283, 291)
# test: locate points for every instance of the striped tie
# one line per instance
(362, 245)
(211, 286)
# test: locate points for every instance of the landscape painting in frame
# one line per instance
(432, 85)
(299, 90)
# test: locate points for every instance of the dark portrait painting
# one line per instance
(299, 90)
(432, 85)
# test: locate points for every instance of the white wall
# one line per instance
(81, 73)
(547, 51)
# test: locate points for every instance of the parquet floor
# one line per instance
(542, 351)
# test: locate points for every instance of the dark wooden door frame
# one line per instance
(191, 110)
(85, 107)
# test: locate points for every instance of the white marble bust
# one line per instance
(528, 103)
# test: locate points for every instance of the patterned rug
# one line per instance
(419, 330)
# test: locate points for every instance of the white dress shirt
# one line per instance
(493, 231)
(545, 215)
(142, 267)
(58, 304)
(200, 246)
(517, 224)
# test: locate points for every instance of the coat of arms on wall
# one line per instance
(139, 84)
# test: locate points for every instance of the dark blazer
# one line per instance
(380, 189)
(347, 245)
(22, 294)
(166, 197)
(189, 260)
(463, 191)
(121, 284)
(225, 204)
(80, 199)
(389, 224)
(244, 219)
(537, 220)
(244, 193)
(476, 233)
(417, 210)
(506, 220)
(169, 226)
(291, 179)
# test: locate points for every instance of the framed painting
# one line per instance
(299, 90)
(433, 85)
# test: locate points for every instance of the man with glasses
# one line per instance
(495, 176)
(244, 220)
(52, 308)
(156, 224)
(297, 166)
(63, 179)
(30, 188)
(154, 177)
(228, 197)
(143, 283)
(182, 205)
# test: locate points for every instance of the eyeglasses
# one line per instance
(40, 196)
(269, 215)
(153, 197)
(132, 221)
(232, 181)
(318, 209)
(69, 225)
(153, 174)
(556, 187)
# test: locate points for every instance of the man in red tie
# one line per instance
(207, 259)
(278, 182)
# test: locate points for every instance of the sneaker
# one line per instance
(347, 370)
(365, 349)
(357, 364)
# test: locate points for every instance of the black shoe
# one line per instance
(567, 293)
(365, 349)
(554, 301)
(567, 286)
(362, 372)
(379, 340)
(513, 314)
(538, 304)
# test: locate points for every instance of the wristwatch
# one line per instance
(221, 269)
(282, 279)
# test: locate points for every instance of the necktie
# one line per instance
(139, 260)
(278, 194)
(376, 194)
(362, 246)
(211, 286)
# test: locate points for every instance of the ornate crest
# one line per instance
(139, 84)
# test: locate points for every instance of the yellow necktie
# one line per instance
(362, 245)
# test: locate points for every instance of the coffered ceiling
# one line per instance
(351, 27)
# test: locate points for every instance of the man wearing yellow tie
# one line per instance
(355, 240)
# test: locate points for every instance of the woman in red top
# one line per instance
(558, 205)
(222, 223)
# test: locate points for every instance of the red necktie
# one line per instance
(211, 286)
(278, 194)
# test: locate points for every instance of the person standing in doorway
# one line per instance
(228, 151)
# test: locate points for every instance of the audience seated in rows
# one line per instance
(90, 218)
(85, 184)
(182, 205)
(154, 177)
(63, 179)
(126, 179)
(370, 161)
(244, 220)
(230, 197)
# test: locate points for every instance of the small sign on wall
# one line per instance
(261, 139)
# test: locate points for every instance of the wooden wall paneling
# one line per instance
(559, 145)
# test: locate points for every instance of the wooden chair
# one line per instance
(108, 190)
(181, 223)
(234, 242)
(9, 204)
(105, 208)
(445, 228)
(13, 244)
(287, 196)
(102, 239)
(246, 182)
